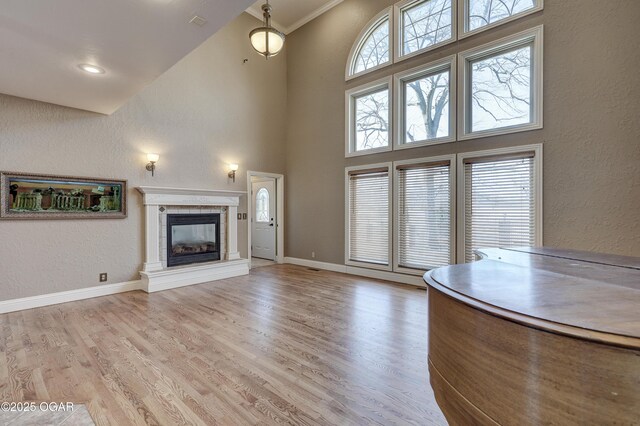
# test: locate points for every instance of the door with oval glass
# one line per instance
(263, 232)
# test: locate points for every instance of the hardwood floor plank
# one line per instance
(284, 345)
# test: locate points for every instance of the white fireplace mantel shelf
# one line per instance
(158, 196)
(155, 276)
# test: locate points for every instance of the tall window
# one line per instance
(368, 114)
(424, 214)
(423, 25)
(501, 92)
(373, 49)
(426, 107)
(503, 86)
(262, 205)
(368, 216)
(501, 201)
(482, 14)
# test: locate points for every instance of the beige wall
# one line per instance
(208, 110)
(591, 116)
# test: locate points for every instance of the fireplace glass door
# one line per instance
(192, 238)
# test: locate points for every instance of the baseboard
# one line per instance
(315, 264)
(362, 272)
(14, 305)
(240, 268)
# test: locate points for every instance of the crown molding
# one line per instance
(256, 12)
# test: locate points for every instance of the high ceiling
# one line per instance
(43, 42)
(289, 15)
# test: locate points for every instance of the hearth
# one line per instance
(192, 238)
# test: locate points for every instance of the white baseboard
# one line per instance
(363, 272)
(164, 281)
(315, 264)
(67, 296)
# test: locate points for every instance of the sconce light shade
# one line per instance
(151, 166)
(232, 171)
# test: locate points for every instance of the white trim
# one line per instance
(396, 224)
(349, 115)
(464, 12)
(386, 13)
(159, 196)
(448, 63)
(399, 30)
(538, 189)
(279, 212)
(347, 260)
(334, 267)
(21, 304)
(193, 274)
(362, 272)
(532, 36)
(256, 12)
(311, 16)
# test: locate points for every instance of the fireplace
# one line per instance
(192, 238)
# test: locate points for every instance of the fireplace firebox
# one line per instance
(192, 238)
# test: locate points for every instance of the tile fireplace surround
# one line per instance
(156, 276)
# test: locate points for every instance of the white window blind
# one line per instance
(424, 215)
(499, 208)
(369, 216)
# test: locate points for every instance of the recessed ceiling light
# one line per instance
(91, 69)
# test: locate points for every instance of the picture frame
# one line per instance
(27, 196)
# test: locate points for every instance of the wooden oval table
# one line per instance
(536, 336)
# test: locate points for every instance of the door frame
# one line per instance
(279, 212)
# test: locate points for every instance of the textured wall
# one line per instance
(591, 134)
(210, 109)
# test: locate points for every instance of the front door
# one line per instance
(263, 232)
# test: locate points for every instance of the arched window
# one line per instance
(372, 49)
(262, 205)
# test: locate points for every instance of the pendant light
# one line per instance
(266, 40)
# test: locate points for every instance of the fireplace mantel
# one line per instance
(157, 277)
(157, 196)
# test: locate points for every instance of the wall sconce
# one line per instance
(232, 171)
(151, 166)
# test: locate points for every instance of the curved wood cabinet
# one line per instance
(536, 336)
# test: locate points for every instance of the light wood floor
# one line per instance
(282, 345)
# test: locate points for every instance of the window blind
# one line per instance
(499, 201)
(369, 216)
(424, 216)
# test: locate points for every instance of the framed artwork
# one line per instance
(32, 196)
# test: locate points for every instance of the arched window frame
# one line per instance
(372, 25)
(399, 9)
(460, 75)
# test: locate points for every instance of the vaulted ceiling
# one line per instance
(134, 41)
(43, 43)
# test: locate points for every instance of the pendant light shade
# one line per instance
(266, 40)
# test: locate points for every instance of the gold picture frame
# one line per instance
(30, 196)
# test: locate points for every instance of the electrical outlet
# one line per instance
(313, 254)
(103, 277)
